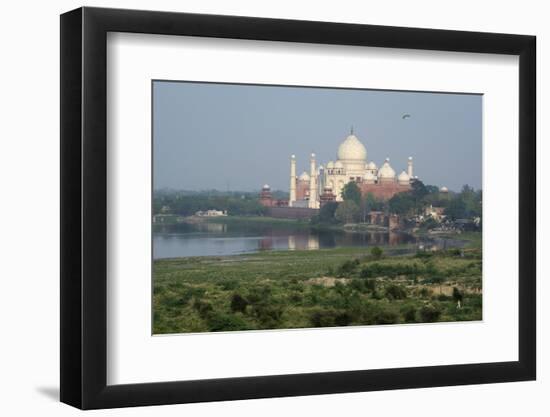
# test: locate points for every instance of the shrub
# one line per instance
(376, 252)
(296, 297)
(342, 319)
(348, 267)
(409, 314)
(429, 313)
(258, 294)
(457, 295)
(357, 285)
(268, 316)
(454, 252)
(238, 303)
(189, 293)
(225, 322)
(386, 316)
(370, 284)
(322, 318)
(395, 292)
(425, 292)
(228, 284)
(423, 255)
(203, 308)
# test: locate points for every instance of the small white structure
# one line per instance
(211, 213)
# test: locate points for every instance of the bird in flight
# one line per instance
(406, 116)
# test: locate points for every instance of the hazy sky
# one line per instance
(239, 137)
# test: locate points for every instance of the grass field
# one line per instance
(321, 288)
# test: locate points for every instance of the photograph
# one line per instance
(294, 207)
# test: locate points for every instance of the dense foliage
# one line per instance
(297, 289)
(187, 203)
(465, 204)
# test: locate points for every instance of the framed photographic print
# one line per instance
(258, 207)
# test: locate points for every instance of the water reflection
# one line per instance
(217, 239)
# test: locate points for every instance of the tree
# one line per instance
(456, 209)
(402, 204)
(432, 189)
(465, 205)
(457, 297)
(326, 213)
(347, 212)
(419, 190)
(351, 192)
(368, 204)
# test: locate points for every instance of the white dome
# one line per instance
(371, 165)
(386, 171)
(304, 176)
(352, 149)
(403, 178)
(444, 190)
(338, 164)
(265, 187)
(330, 165)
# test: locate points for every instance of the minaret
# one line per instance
(410, 167)
(292, 198)
(313, 184)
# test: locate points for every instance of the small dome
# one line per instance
(304, 176)
(338, 164)
(371, 165)
(265, 187)
(444, 189)
(386, 171)
(403, 178)
(351, 149)
(330, 165)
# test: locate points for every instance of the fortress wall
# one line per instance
(292, 212)
(383, 191)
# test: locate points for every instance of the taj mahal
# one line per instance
(325, 183)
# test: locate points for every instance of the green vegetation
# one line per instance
(465, 204)
(409, 205)
(322, 288)
(188, 203)
(351, 192)
(347, 212)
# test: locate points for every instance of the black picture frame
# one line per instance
(84, 207)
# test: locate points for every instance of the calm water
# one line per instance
(213, 239)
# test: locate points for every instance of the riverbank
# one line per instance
(326, 287)
(260, 220)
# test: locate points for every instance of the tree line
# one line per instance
(186, 204)
(356, 207)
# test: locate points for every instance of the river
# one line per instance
(220, 239)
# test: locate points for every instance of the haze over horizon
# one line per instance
(239, 137)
